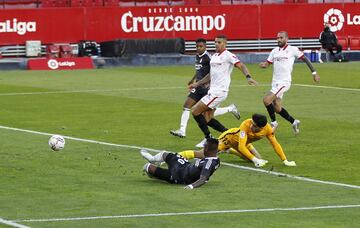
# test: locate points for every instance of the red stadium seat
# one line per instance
(146, 2)
(343, 41)
(65, 51)
(127, 2)
(55, 3)
(354, 43)
(14, 4)
(111, 2)
(76, 3)
(192, 2)
(53, 51)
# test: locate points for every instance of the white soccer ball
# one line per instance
(56, 142)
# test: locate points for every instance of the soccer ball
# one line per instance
(56, 142)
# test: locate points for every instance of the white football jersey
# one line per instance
(283, 60)
(221, 66)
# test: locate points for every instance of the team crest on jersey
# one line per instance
(242, 134)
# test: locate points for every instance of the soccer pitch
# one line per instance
(97, 180)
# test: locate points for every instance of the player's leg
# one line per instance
(231, 108)
(157, 172)
(189, 103)
(268, 102)
(199, 108)
(213, 123)
(285, 114)
(157, 158)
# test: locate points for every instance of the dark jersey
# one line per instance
(202, 65)
(204, 167)
(184, 172)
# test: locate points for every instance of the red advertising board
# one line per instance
(190, 22)
(60, 63)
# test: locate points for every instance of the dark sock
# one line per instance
(215, 124)
(271, 110)
(286, 115)
(200, 119)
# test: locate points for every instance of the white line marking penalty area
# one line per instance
(12, 223)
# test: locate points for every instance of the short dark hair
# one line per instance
(222, 37)
(259, 120)
(200, 40)
(212, 144)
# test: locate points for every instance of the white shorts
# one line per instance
(279, 88)
(212, 100)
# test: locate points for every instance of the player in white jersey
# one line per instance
(202, 66)
(283, 58)
(221, 66)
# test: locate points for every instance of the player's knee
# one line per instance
(267, 101)
(151, 169)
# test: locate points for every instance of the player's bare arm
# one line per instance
(198, 183)
(245, 71)
(203, 81)
(316, 77)
(192, 80)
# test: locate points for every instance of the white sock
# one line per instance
(184, 119)
(158, 157)
(222, 111)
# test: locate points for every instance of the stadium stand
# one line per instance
(354, 43)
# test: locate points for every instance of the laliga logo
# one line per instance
(335, 19)
(18, 27)
(54, 64)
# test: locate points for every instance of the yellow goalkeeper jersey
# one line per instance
(240, 138)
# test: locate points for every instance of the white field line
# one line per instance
(92, 91)
(156, 88)
(12, 223)
(155, 150)
(291, 176)
(327, 87)
(191, 213)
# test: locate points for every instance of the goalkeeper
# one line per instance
(238, 141)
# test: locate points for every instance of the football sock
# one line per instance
(286, 115)
(217, 125)
(221, 111)
(188, 154)
(158, 157)
(271, 110)
(184, 119)
(200, 119)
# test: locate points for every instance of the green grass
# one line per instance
(95, 180)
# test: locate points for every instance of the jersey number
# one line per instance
(182, 160)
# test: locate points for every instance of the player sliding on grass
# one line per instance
(180, 171)
(283, 58)
(238, 141)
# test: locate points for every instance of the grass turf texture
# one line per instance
(94, 180)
